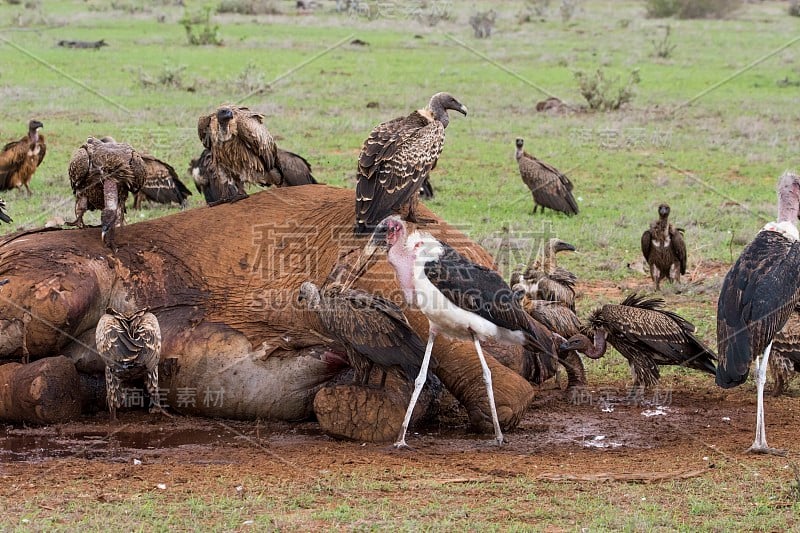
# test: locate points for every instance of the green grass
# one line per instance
(713, 157)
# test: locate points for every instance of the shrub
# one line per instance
(691, 9)
(206, 33)
(794, 8)
(606, 94)
(663, 48)
(249, 7)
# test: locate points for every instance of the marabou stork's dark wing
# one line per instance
(394, 161)
(548, 185)
(374, 327)
(759, 293)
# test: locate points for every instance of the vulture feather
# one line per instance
(101, 175)
(162, 184)
(296, 170)
(664, 249)
(549, 187)
(242, 151)
(372, 330)
(647, 336)
(784, 361)
(543, 279)
(20, 159)
(395, 161)
(759, 293)
(130, 347)
(3, 215)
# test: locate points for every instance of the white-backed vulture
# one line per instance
(372, 330)
(395, 161)
(664, 249)
(549, 187)
(646, 335)
(20, 159)
(101, 175)
(759, 293)
(242, 151)
(130, 347)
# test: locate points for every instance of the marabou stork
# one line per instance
(758, 295)
(461, 299)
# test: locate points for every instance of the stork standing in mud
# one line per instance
(758, 295)
(461, 299)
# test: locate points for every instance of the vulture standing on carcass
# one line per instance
(544, 279)
(760, 292)
(3, 215)
(162, 184)
(20, 159)
(664, 249)
(373, 330)
(646, 335)
(784, 361)
(101, 174)
(461, 299)
(130, 347)
(242, 151)
(395, 161)
(201, 171)
(549, 187)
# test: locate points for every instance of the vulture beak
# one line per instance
(224, 114)
(462, 109)
(520, 143)
(663, 210)
(561, 246)
(565, 346)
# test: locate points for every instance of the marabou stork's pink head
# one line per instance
(390, 231)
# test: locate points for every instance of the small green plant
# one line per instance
(663, 47)
(206, 33)
(606, 94)
(170, 77)
(251, 80)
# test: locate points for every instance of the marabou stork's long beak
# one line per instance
(367, 257)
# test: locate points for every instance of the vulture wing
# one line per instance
(678, 247)
(258, 140)
(204, 130)
(549, 187)
(296, 170)
(647, 243)
(759, 293)
(394, 161)
(162, 184)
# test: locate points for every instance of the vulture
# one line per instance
(295, 168)
(373, 330)
(461, 299)
(162, 184)
(242, 151)
(201, 170)
(549, 187)
(759, 293)
(561, 320)
(646, 335)
(3, 215)
(20, 159)
(664, 249)
(101, 174)
(395, 161)
(130, 346)
(544, 279)
(784, 361)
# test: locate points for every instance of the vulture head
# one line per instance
(520, 143)
(386, 234)
(309, 293)
(224, 117)
(107, 139)
(441, 102)
(557, 245)
(33, 127)
(108, 219)
(663, 210)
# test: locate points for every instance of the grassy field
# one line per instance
(709, 130)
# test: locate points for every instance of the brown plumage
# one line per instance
(296, 170)
(20, 159)
(664, 249)
(549, 187)
(784, 361)
(543, 279)
(3, 215)
(101, 174)
(395, 161)
(372, 330)
(162, 184)
(647, 336)
(242, 151)
(130, 346)
(560, 319)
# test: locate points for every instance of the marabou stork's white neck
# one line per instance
(406, 250)
(788, 207)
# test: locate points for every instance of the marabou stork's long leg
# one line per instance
(760, 442)
(418, 384)
(487, 380)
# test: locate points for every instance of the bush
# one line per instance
(249, 7)
(691, 9)
(794, 8)
(206, 34)
(606, 94)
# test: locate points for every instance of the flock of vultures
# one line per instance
(756, 317)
